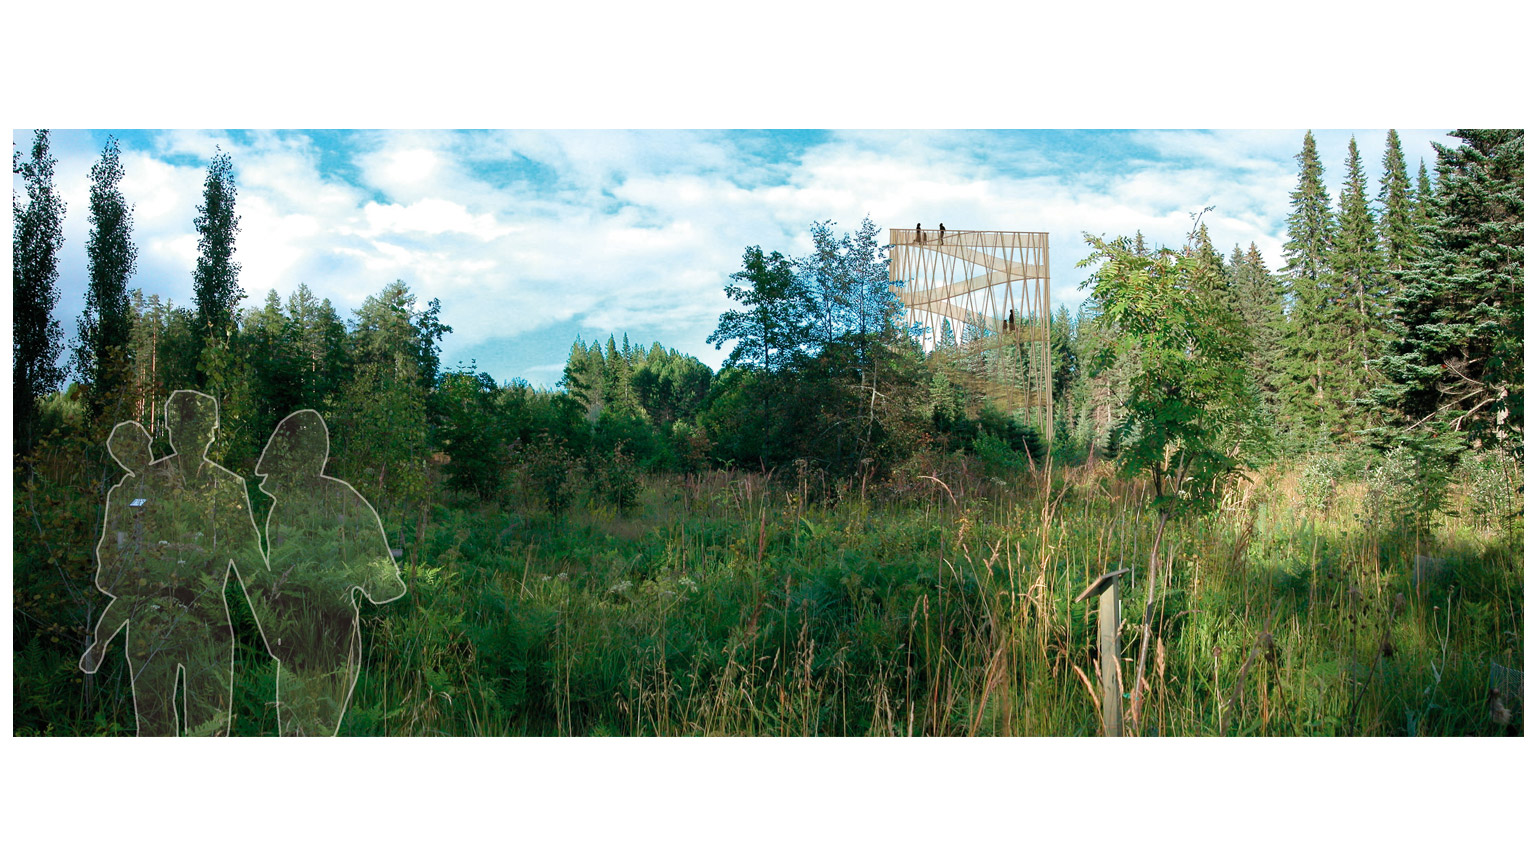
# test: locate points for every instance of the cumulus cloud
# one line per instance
(523, 234)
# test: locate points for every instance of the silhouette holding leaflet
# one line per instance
(173, 529)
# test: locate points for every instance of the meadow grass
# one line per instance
(728, 603)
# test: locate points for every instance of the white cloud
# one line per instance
(520, 231)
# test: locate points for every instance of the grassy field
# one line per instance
(729, 604)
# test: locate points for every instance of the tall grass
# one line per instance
(730, 603)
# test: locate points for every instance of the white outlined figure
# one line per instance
(172, 530)
(120, 570)
(324, 541)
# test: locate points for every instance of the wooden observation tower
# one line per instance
(994, 290)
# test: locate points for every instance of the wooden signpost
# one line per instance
(1110, 689)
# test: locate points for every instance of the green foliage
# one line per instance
(1310, 384)
(1456, 361)
(382, 411)
(1364, 298)
(550, 473)
(775, 324)
(1494, 485)
(37, 234)
(216, 279)
(1319, 480)
(1191, 400)
(616, 477)
(1411, 483)
(471, 431)
(671, 386)
(997, 458)
(103, 355)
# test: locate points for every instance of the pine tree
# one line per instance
(1064, 363)
(320, 341)
(216, 280)
(150, 322)
(1457, 365)
(947, 336)
(1312, 343)
(1362, 297)
(101, 352)
(36, 338)
(577, 377)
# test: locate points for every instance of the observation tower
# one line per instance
(994, 290)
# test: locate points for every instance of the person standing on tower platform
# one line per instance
(941, 233)
(919, 232)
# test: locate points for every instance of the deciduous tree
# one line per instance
(102, 357)
(36, 237)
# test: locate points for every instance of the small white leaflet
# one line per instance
(138, 502)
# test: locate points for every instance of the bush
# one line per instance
(996, 457)
(549, 474)
(1493, 484)
(616, 478)
(1319, 481)
(1406, 489)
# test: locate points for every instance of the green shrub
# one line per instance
(1319, 481)
(550, 474)
(1494, 487)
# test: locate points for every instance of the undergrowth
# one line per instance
(724, 603)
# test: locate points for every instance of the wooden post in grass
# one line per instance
(1110, 689)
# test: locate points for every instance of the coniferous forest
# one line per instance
(1308, 473)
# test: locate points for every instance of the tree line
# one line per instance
(1394, 321)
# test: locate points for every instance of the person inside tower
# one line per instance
(919, 232)
(941, 233)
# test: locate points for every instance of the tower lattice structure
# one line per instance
(994, 290)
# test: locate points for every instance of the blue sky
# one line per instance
(531, 238)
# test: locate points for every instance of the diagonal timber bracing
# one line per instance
(994, 289)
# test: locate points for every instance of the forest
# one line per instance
(1310, 472)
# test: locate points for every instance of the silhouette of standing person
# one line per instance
(195, 520)
(123, 566)
(941, 233)
(325, 542)
(919, 232)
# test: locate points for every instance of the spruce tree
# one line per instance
(102, 356)
(1422, 196)
(1362, 297)
(1311, 346)
(1209, 273)
(946, 335)
(1397, 208)
(1457, 367)
(36, 236)
(1259, 304)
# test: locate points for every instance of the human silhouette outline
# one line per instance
(941, 233)
(325, 542)
(191, 522)
(119, 564)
